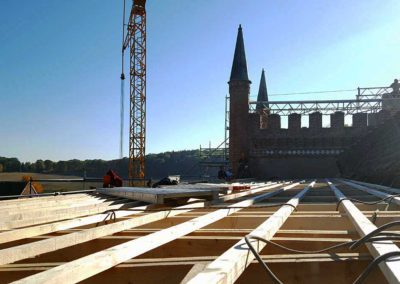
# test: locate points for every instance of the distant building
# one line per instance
(257, 140)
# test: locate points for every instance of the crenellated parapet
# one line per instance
(335, 120)
(360, 120)
(315, 120)
(294, 122)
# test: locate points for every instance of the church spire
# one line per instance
(239, 66)
(262, 93)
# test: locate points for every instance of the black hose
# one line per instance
(367, 203)
(375, 236)
(360, 279)
(374, 233)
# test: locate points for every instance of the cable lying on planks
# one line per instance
(389, 198)
(373, 237)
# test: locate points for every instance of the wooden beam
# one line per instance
(45, 200)
(55, 205)
(16, 253)
(18, 234)
(247, 192)
(13, 254)
(7, 225)
(230, 265)
(73, 208)
(377, 186)
(192, 260)
(23, 233)
(391, 269)
(276, 258)
(374, 192)
(93, 264)
(327, 272)
(241, 232)
(197, 267)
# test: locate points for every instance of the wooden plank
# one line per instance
(20, 252)
(193, 260)
(23, 233)
(93, 264)
(47, 201)
(233, 232)
(391, 269)
(16, 253)
(230, 265)
(276, 258)
(377, 186)
(53, 206)
(247, 192)
(157, 195)
(315, 241)
(73, 208)
(374, 192)
(37, 230)
(198, 267)
(7, 225)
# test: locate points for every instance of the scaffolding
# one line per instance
(368, 100)
(215, 157)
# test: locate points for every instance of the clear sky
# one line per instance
(60, 66)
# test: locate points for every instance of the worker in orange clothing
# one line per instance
(111, 179)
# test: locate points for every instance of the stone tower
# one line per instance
(262, 106)
(239, 90)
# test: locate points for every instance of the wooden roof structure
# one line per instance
(98, 238)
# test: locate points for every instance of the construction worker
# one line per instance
(229, 174)
(396, 88)
(111, 179)
(221, 173)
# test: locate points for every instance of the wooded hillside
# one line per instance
(157, 165)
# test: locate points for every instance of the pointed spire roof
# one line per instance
(262, 93)
(239, 66)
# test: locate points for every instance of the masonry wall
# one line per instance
(300, 152)
(293, 167)
(296, 152)
(375, 158)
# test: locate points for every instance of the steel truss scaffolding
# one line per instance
(369, 100)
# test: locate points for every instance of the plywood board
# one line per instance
(158, 195)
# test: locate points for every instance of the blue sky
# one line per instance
(60, 66)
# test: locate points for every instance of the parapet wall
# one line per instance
(337, 120)
(375, 158)
(304, 152)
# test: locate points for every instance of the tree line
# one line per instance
(157, 165)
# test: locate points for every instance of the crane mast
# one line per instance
(136, 41)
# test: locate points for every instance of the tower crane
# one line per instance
(135, 40)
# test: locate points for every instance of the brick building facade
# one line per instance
(258, 141)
